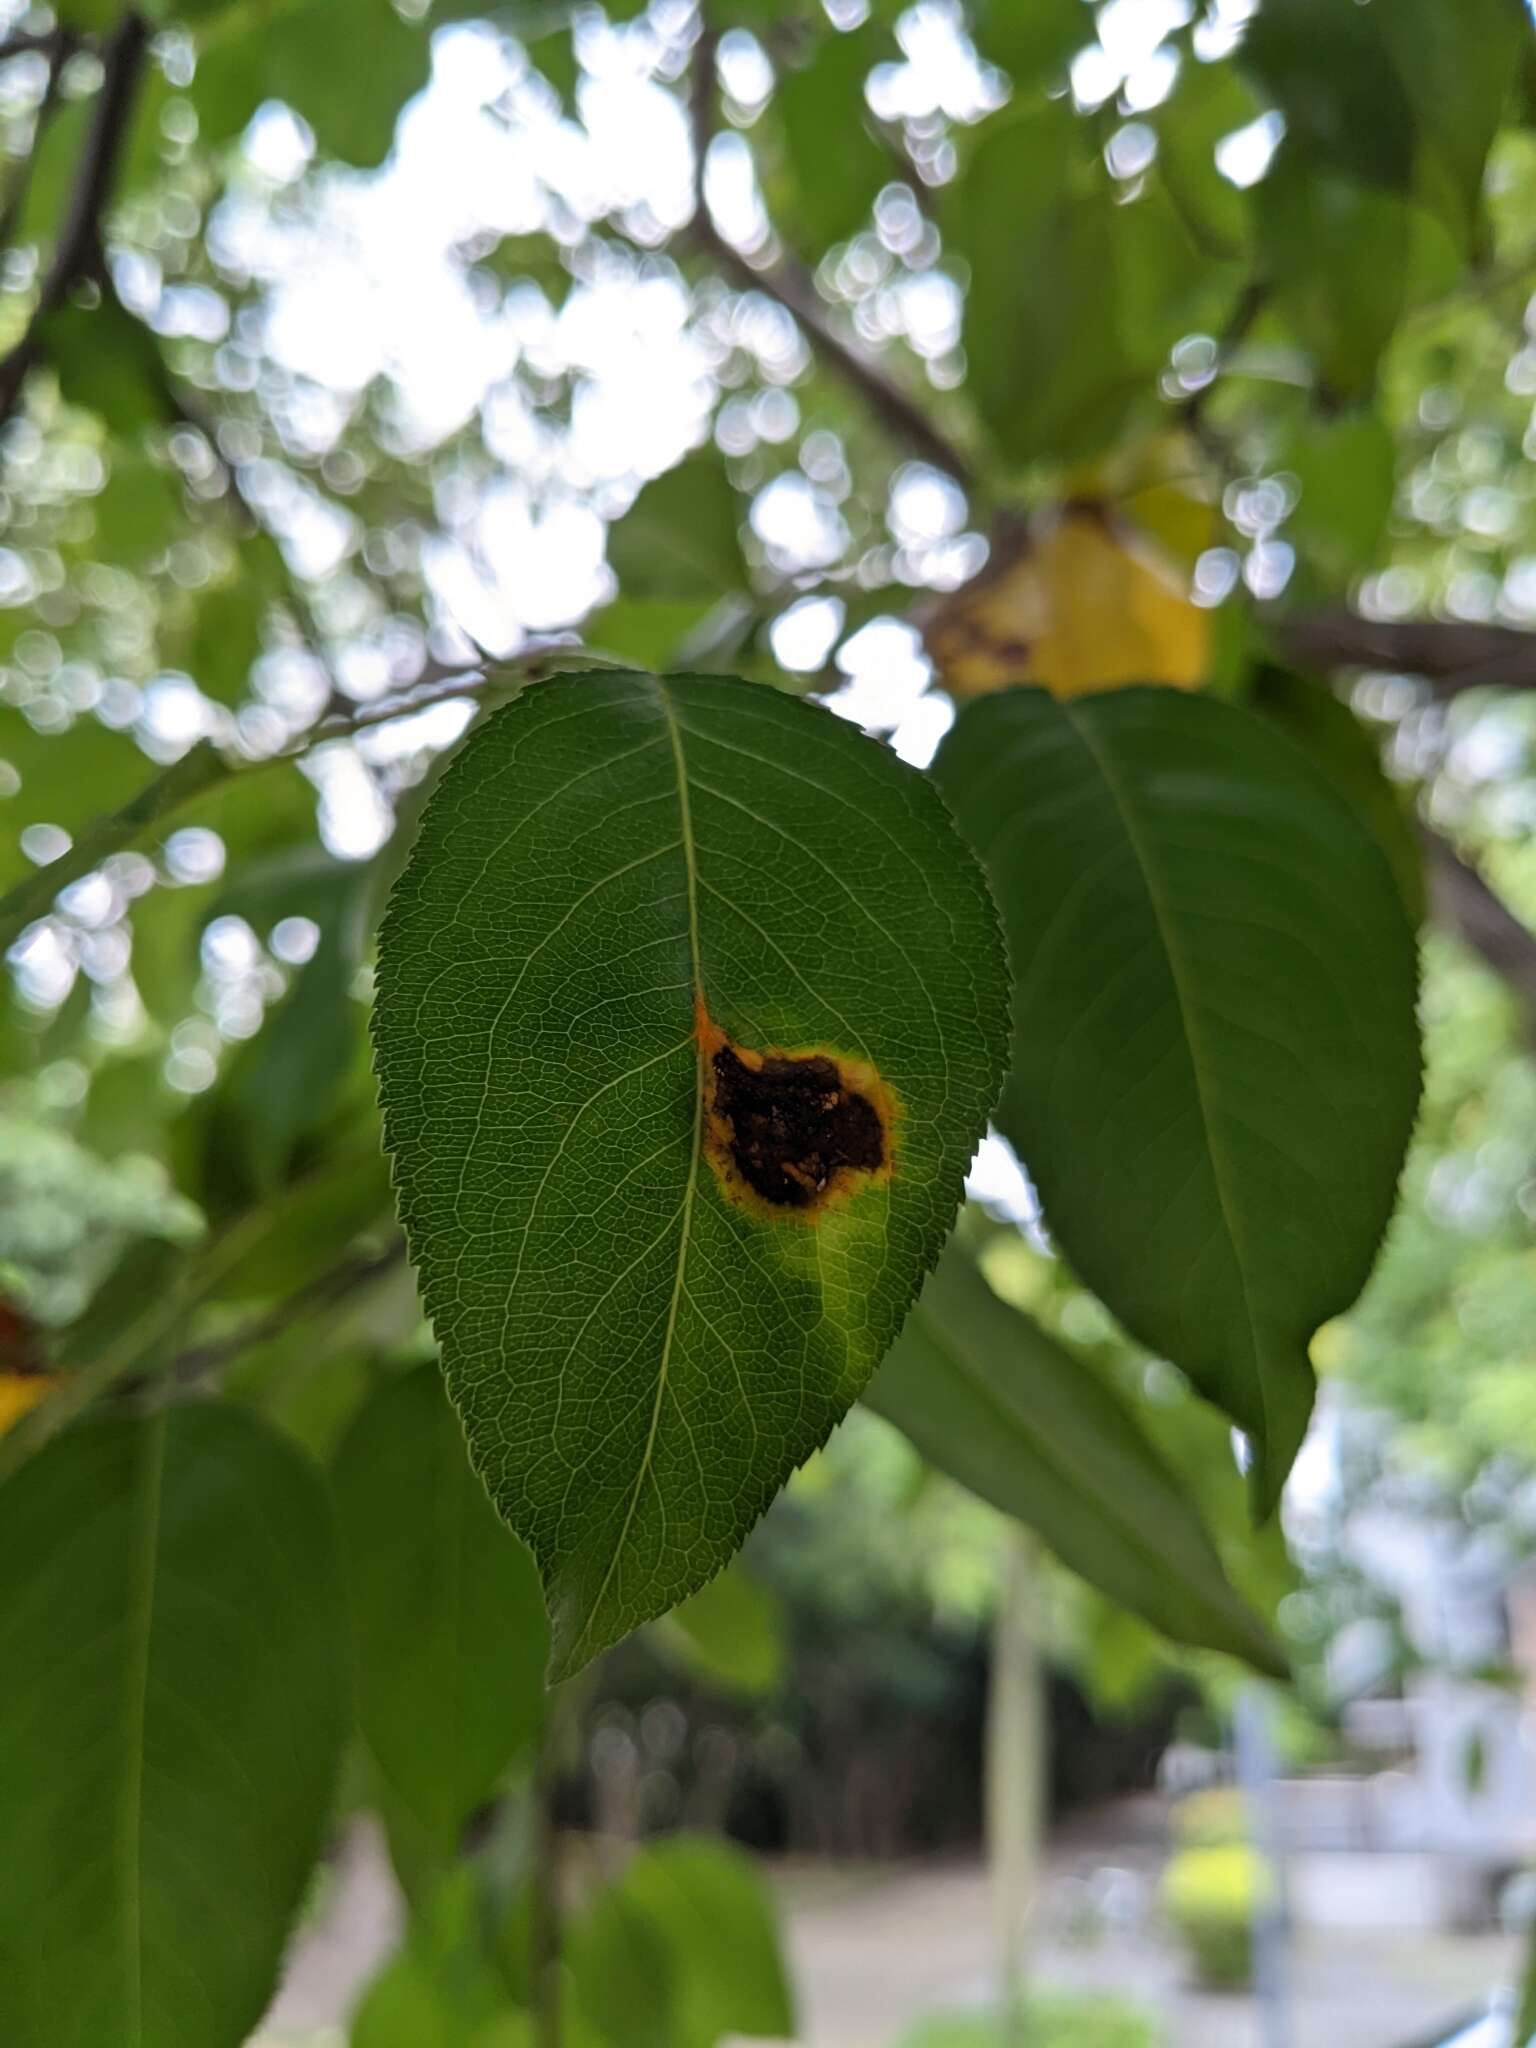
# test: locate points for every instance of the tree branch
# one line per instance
(1451, 655)
(790, 288)
(1463, 902)
(205, 768)
(329, 1290)
(79, 254)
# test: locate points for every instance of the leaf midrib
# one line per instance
(696, 1148)
(1220, 1167)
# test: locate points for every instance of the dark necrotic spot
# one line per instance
(793, 1123)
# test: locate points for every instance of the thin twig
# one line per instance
(205, 768)
(327, 1291)
(79, 255)
(787, 285)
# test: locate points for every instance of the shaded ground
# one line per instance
(875, 1949)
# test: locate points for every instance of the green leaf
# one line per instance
(1215, 1065)
(625, 894)
(225, 640)
(1337, 253)
(137, 513)
(731, 1633)
(990, 1398)
(108, 362)
(1324, 64)
(681, 1950)
(1033, 43)
(1346, 472)
(447, 1618)
(60, 778)
(285, 52)
(440, 1989)
(681, 539)
(1075, 296)
(1457, 68)
(1340, 745)
(284, 1082)
(1211, 101)
(171, 1633)
(836, 163)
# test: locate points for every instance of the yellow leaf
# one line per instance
(1078, 602)
(20, 1391)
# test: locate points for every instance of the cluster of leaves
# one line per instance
(1020, 368)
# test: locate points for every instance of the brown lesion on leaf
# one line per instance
(792, 1132)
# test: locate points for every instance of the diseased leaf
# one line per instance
(1215, 1065)
(171, 1628)
(1079, 602)
(447, 1620)
(690, 1010)
(990, 1398)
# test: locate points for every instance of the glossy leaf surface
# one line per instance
(648, 929)
(1215, 1065)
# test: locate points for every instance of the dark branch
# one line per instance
(787, 284)
(1463, 903)
(326, 1292)
(80, 254)
(1451, 655)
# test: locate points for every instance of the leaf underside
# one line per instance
(1215, 1061)
(619, 883)
(992, 1399)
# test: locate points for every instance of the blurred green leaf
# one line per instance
(108, 362)
(1325, 65)
(1216, 1062)
(836, 162)
(731, 1633)
(680, 1951)
(988, 1397)
(1458, 67)
(1337, 256)
(1210, 102)
(1345, 467)
(61, 778)
(608, 861)
(1033, 43)
(171, 1626)
(285, 51)
(440, 1989)
(681, 541)
(1032, 217)
(447, 1615)
(137, 513)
